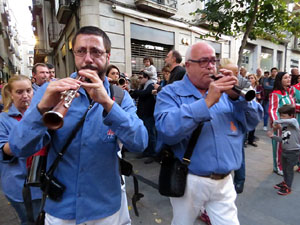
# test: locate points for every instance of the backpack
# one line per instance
(117, 94)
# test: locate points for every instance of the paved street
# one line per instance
(259, 204)
(7, 214)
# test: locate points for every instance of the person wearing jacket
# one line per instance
(281, 95)
(145, 109)
(17, 95)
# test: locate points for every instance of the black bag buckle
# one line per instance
(53, 188)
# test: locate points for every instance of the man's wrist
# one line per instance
(42, 109)
(208, 103)
(108, 105)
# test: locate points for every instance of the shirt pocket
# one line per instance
(227, 124)
(232, 129)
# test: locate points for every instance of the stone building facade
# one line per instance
(139, 28)
(16, 55)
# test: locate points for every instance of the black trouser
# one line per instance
(288, 160)
(251, 136)
(149, 123)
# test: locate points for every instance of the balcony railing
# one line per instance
(37, 7)
(164, 8)
(37, 3)
(64, 12)
(170, 3)
(54, 30)
(64, 2)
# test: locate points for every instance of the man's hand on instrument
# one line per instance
(216, 88)
(95, 88)
(228, 73)
(52, 95)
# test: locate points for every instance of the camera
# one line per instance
(121, 81)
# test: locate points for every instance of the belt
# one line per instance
(216, 176)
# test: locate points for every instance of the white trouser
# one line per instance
(217, 196)
(121, 217)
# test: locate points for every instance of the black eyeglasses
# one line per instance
(205, 61)
(94, 52)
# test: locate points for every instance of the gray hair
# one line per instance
(188, 53)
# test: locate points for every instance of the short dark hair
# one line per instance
(145, 75)
(287, 109)
(37, 65)
(148, 58)
(274, 68)
(177, 56)
(50, 66)
(267, 72)
(91, 30)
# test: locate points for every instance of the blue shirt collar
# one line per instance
(13, 111)
(187, 88)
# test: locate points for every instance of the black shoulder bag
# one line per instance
(173, 172)
(51, 187)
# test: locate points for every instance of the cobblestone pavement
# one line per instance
(257, 205)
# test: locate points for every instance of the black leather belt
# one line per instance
(216, 176)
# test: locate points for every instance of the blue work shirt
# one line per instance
(13, 172)
(180, 107)
(35, 87)
(90, 167)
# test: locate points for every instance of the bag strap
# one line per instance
(64, 149)
(28, 203)
(116, 94)
(137, 195)
(191, 145)
(56, 161)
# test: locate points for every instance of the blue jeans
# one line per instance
(265, 105)
(21, 210)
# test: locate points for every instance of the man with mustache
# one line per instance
(89, 169)
(40, 75)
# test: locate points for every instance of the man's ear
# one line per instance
(108, 58)
(187, 64)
